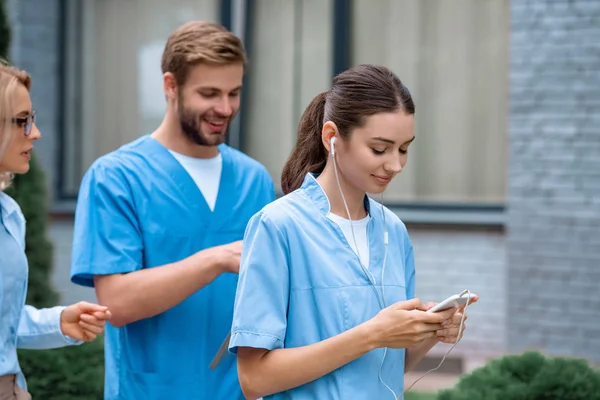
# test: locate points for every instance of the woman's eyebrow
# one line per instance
(382, 139)
(24, 113)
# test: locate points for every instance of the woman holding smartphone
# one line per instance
(325, 305)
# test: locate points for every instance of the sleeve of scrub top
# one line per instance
(40, 329)
(409, 269)
(107, 238)
(259, 317)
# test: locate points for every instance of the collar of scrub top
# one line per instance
(8, 205)
(12, 219)
(316, 193)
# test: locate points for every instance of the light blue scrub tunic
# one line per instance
(139, 208)
(21, 326)
(301, 283)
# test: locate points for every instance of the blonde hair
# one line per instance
(199, 42)
(10, 79)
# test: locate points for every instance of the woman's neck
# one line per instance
(354, 198)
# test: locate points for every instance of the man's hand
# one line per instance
(230, 255)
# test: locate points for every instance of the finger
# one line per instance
(97, 330)
(472, 300)
(102, 315)
(426, 335)
(438, 317)
(92, 320)
(451, 331)
(425, 306)
(89, 308)
(458, 317)
(408, 305)
(442, 332)
(455, 320)
(425, 327)
(447, 339)
(448, 314)
(89, 336)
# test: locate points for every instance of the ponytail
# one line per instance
(309, 154)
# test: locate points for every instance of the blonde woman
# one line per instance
(23, 326)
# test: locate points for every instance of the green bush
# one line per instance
(70, 373)
(29, 190)
(529, 376)
(4, 31)
(419, 396)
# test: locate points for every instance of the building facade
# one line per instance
(501, 193)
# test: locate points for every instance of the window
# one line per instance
(453, 57)
(112, 74)
(290, 63)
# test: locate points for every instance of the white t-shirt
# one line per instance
(206, 172)
(360, 233)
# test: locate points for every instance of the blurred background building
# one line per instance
(501, 193)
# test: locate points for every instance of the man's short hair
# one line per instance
(198, 42)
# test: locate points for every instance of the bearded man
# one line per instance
(158, 229)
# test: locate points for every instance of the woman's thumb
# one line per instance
(409, 305)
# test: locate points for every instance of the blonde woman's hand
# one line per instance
(84, 321)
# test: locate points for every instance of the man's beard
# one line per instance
(190, 123)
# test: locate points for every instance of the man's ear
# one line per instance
(170, 86)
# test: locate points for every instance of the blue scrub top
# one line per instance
(139, 208)
(301, 283)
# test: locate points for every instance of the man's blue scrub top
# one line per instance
(301, 283)
(139, 208)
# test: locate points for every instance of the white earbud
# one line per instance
(333, 146)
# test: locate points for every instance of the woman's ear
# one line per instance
(328, 132)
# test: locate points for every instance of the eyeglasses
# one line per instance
(25, 122)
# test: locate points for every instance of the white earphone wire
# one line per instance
(382, 302)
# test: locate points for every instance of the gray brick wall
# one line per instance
(451, 260)
(35, 47)
(553, 243)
